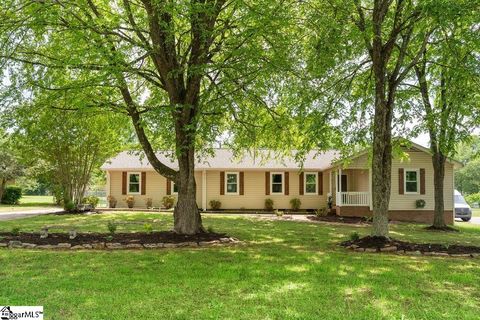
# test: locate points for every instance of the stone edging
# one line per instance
(117, 245)
(394, 249)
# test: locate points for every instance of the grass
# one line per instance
(287, 270)
(28, 203)
(476, 212)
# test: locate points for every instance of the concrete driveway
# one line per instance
(25, 214)
(474, 220)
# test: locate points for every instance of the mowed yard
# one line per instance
(29, 203)
(286, 270)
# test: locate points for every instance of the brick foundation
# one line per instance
(423, 216)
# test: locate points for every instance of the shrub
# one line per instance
(269, 204)
(330, 202)
(148, 228)
(473, 198)
(215, 204)
(168, 202)
(420, 203)
(295, 203)
(354, 236)
(130, 200)
(322, 212)
(11, 195)
(112, 202)
(278, 213)
(112, 227)
(15, 231)
(70, 206)
(149, 202)
(91, 200)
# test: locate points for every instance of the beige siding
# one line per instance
(156, 189)
(357, 179)
(254, 195)
(417, 160)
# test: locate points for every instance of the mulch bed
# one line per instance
(332, 218)
(379, 244)
(84, 238)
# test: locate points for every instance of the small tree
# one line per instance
(73, 143)
(10, 167)
(447, 80)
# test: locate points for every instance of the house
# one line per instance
(245, 182)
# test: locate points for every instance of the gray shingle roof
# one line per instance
(224, 159)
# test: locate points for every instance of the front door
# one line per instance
(343, 184)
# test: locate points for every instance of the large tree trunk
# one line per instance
(438, 160)
(187, 219)
(381, 165)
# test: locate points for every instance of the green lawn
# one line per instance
(476, 212)
(28, 203)
(287, 270)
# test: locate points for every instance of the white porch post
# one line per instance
(370, 188)
(339, 179)
(330, 191)
(204, 190)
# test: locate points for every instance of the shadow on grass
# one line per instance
(287, 270)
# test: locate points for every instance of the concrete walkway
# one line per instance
(27, 213)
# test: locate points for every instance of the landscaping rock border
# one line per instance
(121, 246)
(394, 249)
(371, 244)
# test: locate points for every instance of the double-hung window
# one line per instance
(134, 183)
(231, 182)
(411, 181)
(310, 183)
(276, 183)
(174, 188)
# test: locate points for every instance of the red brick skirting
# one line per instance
(423, 216)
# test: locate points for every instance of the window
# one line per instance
(133, 183)
(174, 188)
(411, 181)
(310, 183)
(231, 182)
(277, 183)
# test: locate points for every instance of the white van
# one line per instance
(462, 209)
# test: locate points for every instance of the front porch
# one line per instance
(352, 188)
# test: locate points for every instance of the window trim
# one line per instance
(305, 183)
(139, 182)
(226, 183)
(283, 183)
(172, 189)
(405, 180)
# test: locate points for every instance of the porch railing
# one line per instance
(354, 198)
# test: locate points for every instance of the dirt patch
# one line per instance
(347, 220)
(440, 229)
(383, 244)
(122, 238)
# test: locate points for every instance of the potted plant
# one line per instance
(130, 200)
(112, 202)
